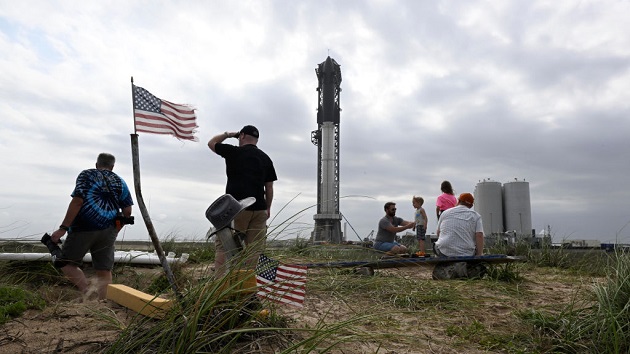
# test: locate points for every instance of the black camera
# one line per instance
(121, 220)
(53, 248)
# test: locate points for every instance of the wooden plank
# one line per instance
(399, 262)
(142, 303)
(411, 262)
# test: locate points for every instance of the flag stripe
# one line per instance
(181, 110)
(293, 288)
(278, 296)
(289, 296)
(161, 131)
(154, 126)
(157, 116)
(270, 288)
(148, 118)
(299, 303)
(292, 272)
(281, 282)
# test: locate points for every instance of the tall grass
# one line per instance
(223, 315)
(611, 320)
(593, 262)
(598, 324)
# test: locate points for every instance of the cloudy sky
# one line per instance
(432, 90)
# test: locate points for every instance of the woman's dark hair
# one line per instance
(446, 187)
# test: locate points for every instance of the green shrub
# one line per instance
(161, 284)
(508, 272)
(203, 254)
(14, 301)
(550, 257)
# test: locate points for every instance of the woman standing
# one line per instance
(446, 200)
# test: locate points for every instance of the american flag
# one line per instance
(156, 116)
(279, 282)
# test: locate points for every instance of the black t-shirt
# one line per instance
(248, 169)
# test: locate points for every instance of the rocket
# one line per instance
(329, 75)
(327, 219)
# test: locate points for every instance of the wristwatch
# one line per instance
(64, 227)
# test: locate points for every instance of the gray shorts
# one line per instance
(421, 232)
(99, 243)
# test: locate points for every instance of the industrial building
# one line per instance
(505, 210)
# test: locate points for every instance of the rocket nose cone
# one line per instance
(328, 64)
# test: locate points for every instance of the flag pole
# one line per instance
(133, 104)
(143, 208)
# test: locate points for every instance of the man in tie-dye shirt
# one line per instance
(98, 196)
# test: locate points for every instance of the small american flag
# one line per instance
(156, 116)
(279, 282)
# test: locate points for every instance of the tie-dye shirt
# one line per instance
(101, 199)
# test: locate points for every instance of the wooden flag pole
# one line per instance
(143, 209)
(133, 105)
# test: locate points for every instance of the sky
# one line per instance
(462, 91)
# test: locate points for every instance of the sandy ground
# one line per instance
(71, 324)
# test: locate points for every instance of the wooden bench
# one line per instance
(401, 262)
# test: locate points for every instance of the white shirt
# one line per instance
(457, 228)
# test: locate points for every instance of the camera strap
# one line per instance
(110, 191)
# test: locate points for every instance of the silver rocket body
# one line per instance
(326, 137)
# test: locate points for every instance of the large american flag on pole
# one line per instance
(279, 282)
(156, 116)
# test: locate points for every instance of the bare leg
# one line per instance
(104, 278)
(399, 249)
(219, 264)
(76, 276)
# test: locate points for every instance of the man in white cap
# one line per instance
(250, 173)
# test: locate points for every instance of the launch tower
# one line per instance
(326, 138)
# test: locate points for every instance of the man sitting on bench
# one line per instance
(460, 233)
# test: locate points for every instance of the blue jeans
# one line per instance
(385, 246)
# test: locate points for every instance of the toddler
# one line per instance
(420, 226)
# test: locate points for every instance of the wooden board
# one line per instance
(142, 303)
(411, 262)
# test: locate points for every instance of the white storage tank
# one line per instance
(517, 207)
(489, 204)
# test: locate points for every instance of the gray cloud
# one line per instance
(431, 91)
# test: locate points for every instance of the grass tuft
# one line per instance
(603, 326)
(14, 301)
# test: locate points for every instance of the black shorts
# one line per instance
(99, 243)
